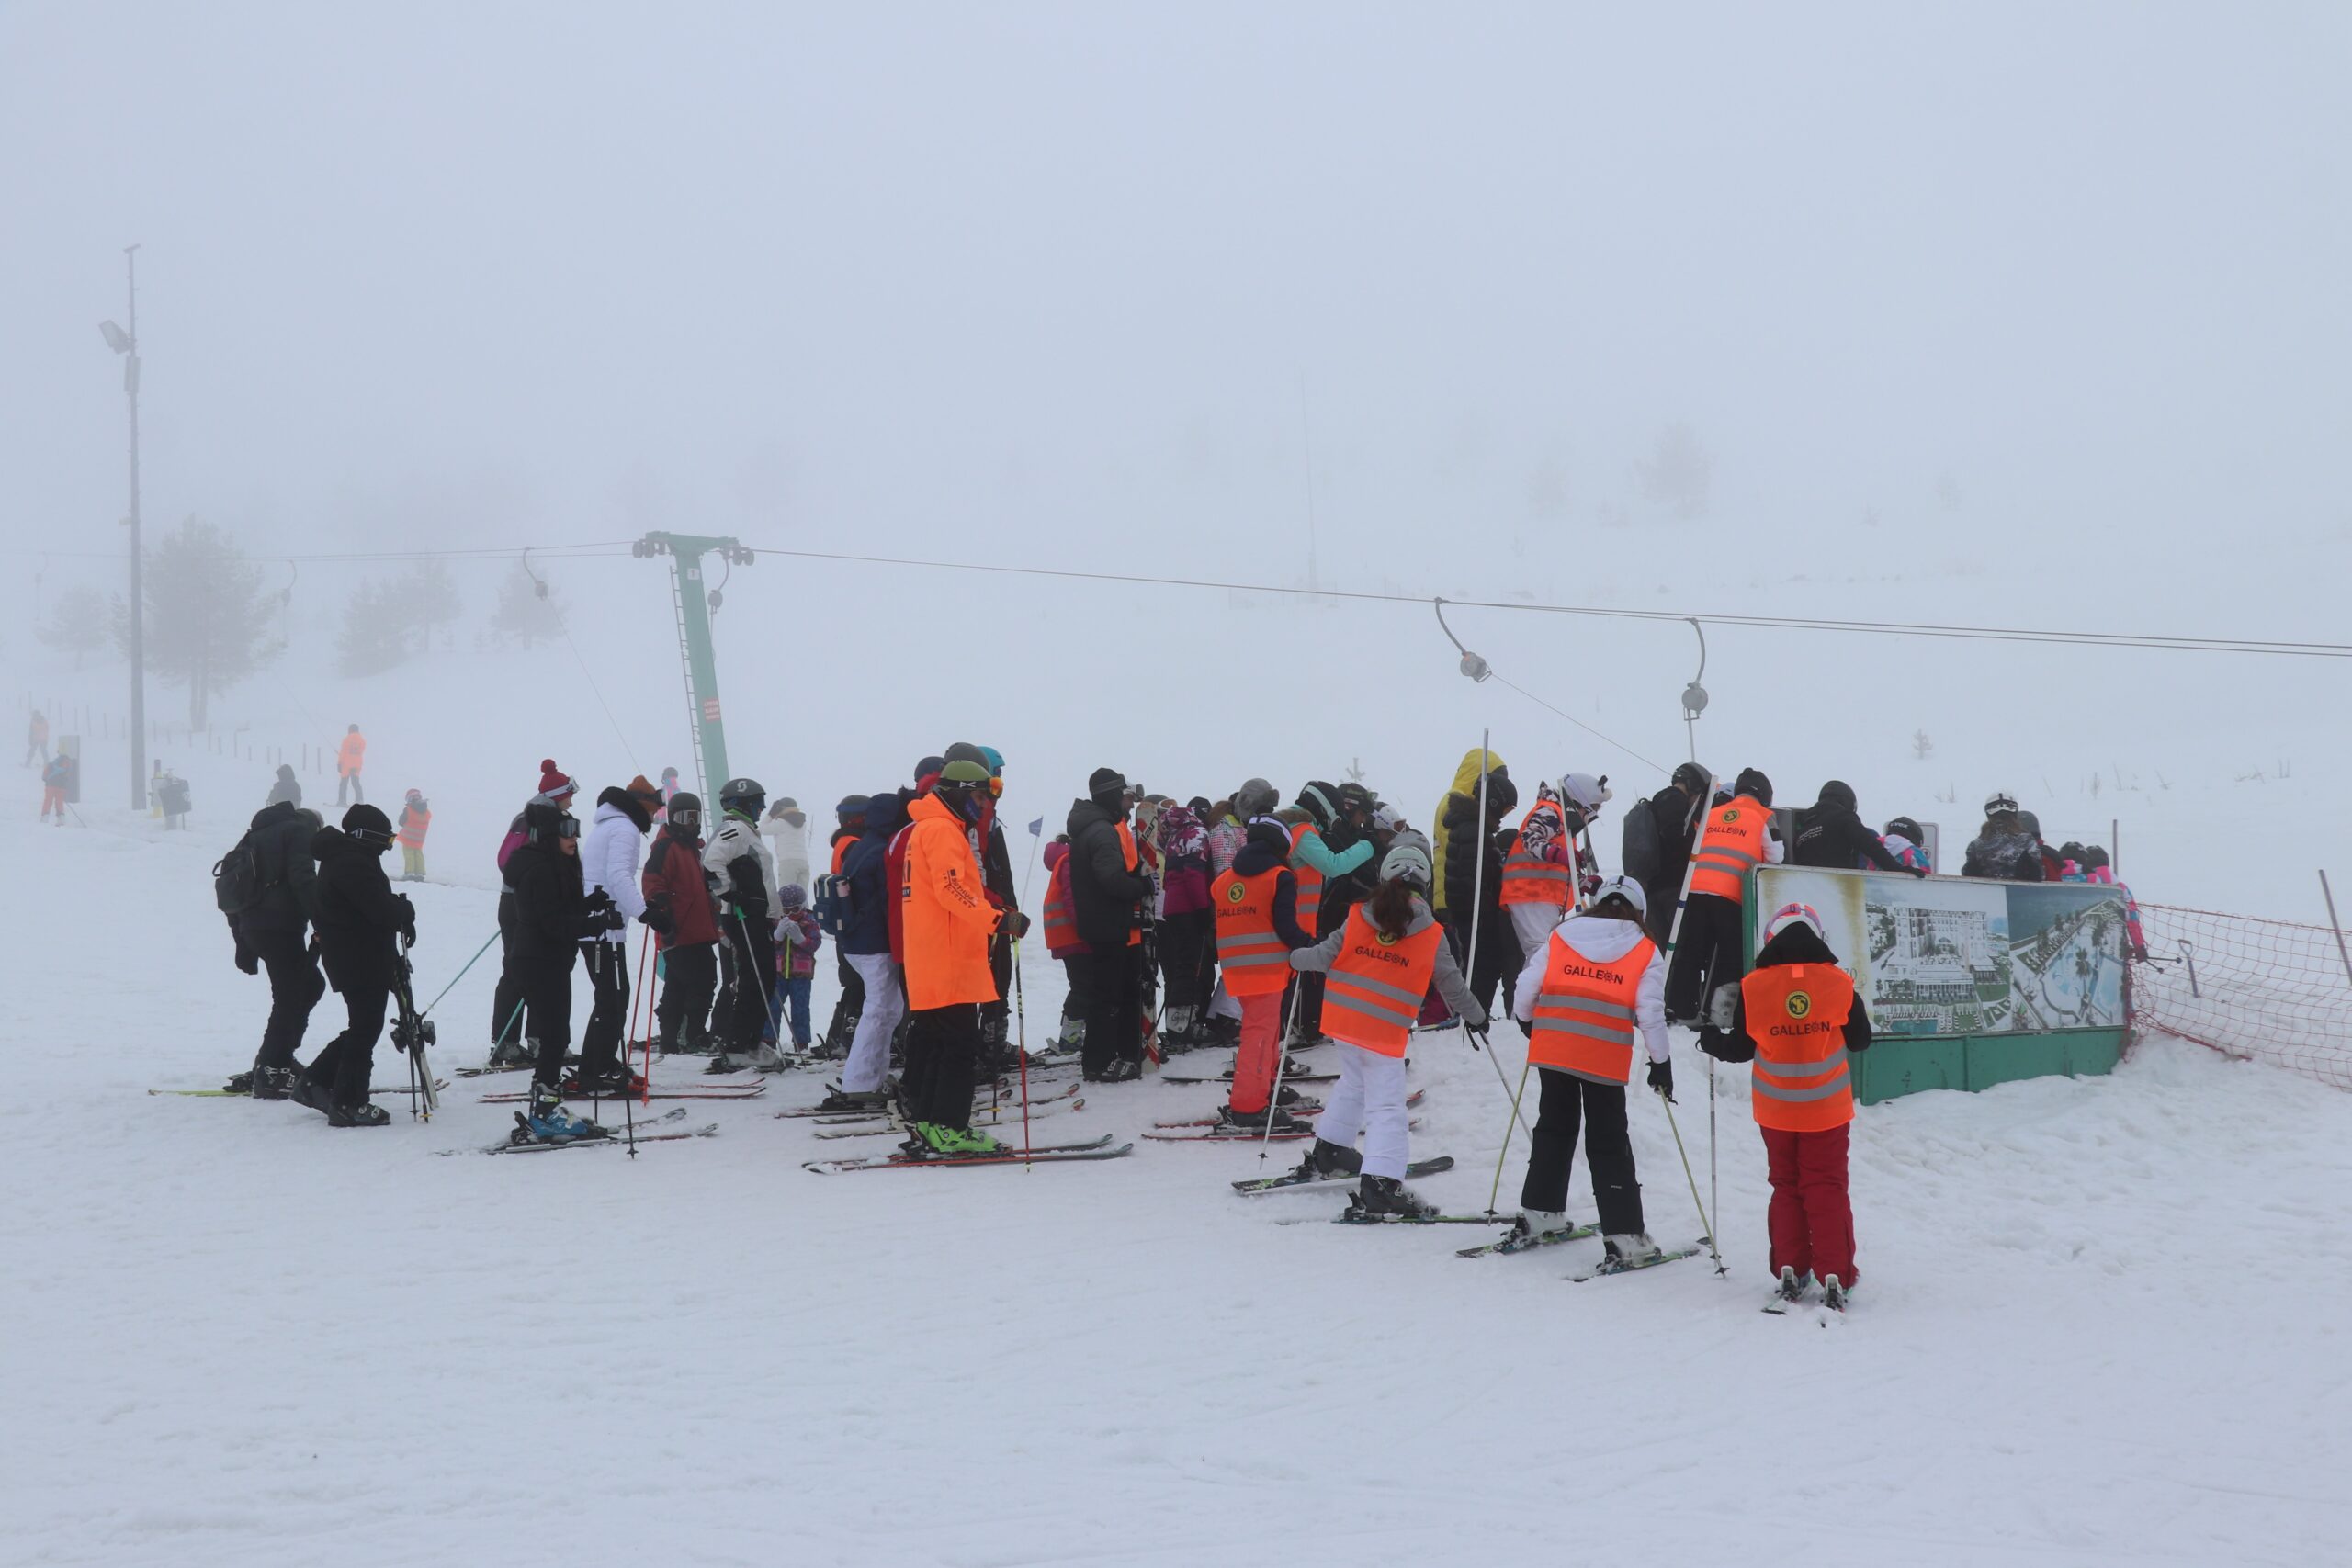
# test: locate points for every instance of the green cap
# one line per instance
(963, 770)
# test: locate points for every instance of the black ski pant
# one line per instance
(505, 1024)
(752, 947)
(348, 783)
(1608, 1151)
(943, 1053)
(607, 966)
(1706, 955)
(848, 1005)
(1185, 946)
(295, 988)
(1498, 959)
(689, 976)
(547, 1014)
(345, 1065)
(996, 1016)
(1106, 982)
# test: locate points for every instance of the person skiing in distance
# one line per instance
(799, 937)
(1108, 894)
(1062, 942)
(1905, 839)
(269, 934)
(668, 790)
(1658, 833)
(1595, 989)
(286, 788)
(550, 920)
(609, 859)
(685, 922)
(53, 776)
(361, 924)
(1738, 837)
(2004, 849)
(1797, 1019)
(1379, 966)
(949, 922)
(1469, 887)
(509, 1047)
(866, 943)
(37, 738)
(1545, 870)
(785, 828)
(739, 874)
(416, 820)
(1255, 905)
(1830, 833)
(849, 819)
(349, 758)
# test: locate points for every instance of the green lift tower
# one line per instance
(693, 603)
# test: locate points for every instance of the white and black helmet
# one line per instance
(745, 795)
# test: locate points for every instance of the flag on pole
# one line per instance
(1038, 828)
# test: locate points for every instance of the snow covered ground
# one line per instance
(2101, 1319)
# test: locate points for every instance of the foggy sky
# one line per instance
(1059, 278)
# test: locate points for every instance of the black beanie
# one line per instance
(365, 825)
(1752, 782)
(1106, 782)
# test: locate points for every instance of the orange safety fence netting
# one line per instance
(2263, 990)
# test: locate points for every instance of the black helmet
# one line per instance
(365, 826)
(1903, 826)
(685, 809)
(744, 796)
(1691, 776)
(1754, 785)
(1320, 801)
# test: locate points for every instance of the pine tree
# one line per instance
(76, 624)
(205, 621)
(1921, 746)
(1679, 474)
(528, 610)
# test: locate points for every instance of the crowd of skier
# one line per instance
(1241, 921)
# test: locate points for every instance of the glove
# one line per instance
(657, 917)
(1016, 925)
(247, 962)
(1716, 1044)
(1662, 1078)
(1475, 1017)
(1920, 872)
(1590, 885)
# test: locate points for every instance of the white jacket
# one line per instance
(1604, 942)
(735, 839)
(790, 843)
(608, 859)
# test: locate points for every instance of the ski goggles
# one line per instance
(567, 827)
(1995, 805)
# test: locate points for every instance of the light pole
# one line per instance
(127, 345)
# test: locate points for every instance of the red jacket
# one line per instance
(672, 879)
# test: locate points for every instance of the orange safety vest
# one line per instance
(1311, 881)
(1255, 961)
(841, 851)
(1372, 997)
(348, 754)
(1730, 846)
(1061, 921)
(413, 823)
(1584, 1019)
(1127, 848)
(1530, 879)
(1796, 1015)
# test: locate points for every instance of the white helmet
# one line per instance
(1408, 861)
(1628, 889)
(1789, 914)
(1585, 793)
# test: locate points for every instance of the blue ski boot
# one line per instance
(550, 1123)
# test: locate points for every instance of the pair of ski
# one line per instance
(1792, 1293)
(1521, 1241)
(704, 1091)
(664, 1129)
(1042, 1154)
(881, 1127)
(1212, 1130)
(838, 1117)
(246, 1094)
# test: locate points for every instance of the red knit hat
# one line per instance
(553, 783)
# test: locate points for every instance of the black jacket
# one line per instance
(360, 918)
(2014, 856)
(1258, 855)
(1462, 888)
(1674, 826)
(1830, 833)
(551, 905)
(281, 837)
(1797, 944)
(1106, 898)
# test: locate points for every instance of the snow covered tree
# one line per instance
(1921, 746)
(206, 622)
(387, 622)
(528, 611)
(77, 623)
(1679, 474)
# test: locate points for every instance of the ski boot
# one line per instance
(847, 1102)
(1223, 1032)
(1290, 1100)
(364, 1115)
(1634, 1247)
(1834, 1293)
(1792, 1288)
(1230, 1121)
(609, 1082)
(1124, 1070)
(550, 1123)
(309, 1092)
(1532, 1224)
(1327, 1159)
(242, 1083)
(937, 1141)
(1386, 1195)
(273, 1083)
(513, 1054)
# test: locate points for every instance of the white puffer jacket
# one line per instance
(608, 859)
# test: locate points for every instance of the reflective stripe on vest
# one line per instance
(1796, 1014)
(1311, 881)
(1061, 921)
(413, 830)
(1528, 878)
(1584, 1018)
(1255, 961)
(1372, 997)
(1127, 851)
(1731, 845)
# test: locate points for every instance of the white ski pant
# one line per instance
(1369, 1102)
(1223, 1004)
(1532, 924)
(869, 1048)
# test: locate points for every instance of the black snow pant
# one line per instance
(848, 1005)
(1185, 945)
(295, 988)
(505, 1023)
(1707, 954)
(752, 945)
(1499, 960)
(689, 976)
(345, 1065)
(607, 966)
(547, 1014)
(1608, 1151)
(1109, 997)
(348, 783)
(943, 1052)
(996, 1016)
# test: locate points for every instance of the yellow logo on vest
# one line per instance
(1731, 814)
(1383, 939)
(1235, 894)
(1800, 1004)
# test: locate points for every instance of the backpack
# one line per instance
(835, 908)
(1640, 849)
(237, 884)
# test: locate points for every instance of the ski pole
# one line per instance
(1021, 1047)
(458, 976)
(1705, 1223)
(1281, 1056)
(1501, 1079)
(1504, 1153)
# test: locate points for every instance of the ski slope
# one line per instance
(2099, 1319)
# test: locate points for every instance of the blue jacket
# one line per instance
(868, 868)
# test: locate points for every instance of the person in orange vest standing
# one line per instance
(1798, 1018)
(1591, 995)
(1736, 837)
(416, 818)
(349, 758)
(1255, 903)
(1062, 942)
(948, 922)
(1545, 871)
(1376, 968)
(1324, 845)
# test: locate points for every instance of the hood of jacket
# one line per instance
(328, 843)
(1796, 944)
(277, 814)
(1600, 938)
(1838, 792)
(618, 802)
(1264, 850)
(1055, 853)
(884, 816)
(1085, 814)
(1465, 777)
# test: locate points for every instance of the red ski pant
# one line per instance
(1260, 1053)
(1812, 1220)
